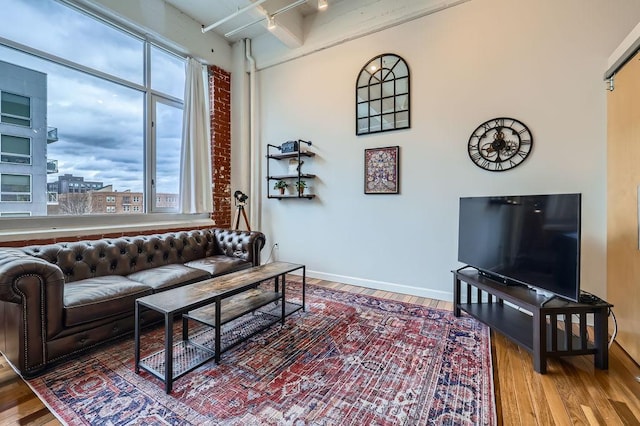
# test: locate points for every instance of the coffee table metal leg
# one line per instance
(185, 329)
(168, 353)
(283, 299)
(137, 338)
(304, 285)
(218, 330)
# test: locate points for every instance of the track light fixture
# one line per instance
(271, 22)
(270, 18)
(322, 4)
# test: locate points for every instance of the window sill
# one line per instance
(72, 228)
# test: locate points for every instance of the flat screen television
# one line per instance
(524, 239)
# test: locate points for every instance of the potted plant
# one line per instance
(281, 185)
(300, 186)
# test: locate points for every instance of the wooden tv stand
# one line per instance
(541, 330)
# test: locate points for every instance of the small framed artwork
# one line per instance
(381, 170)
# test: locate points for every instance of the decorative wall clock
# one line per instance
(500, 144)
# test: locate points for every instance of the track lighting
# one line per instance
(322, 4)
(271, 22)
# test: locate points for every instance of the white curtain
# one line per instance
(195, 160)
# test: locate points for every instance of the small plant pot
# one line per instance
(281, 191)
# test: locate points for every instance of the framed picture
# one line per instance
(381, 170)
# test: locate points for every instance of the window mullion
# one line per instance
(149, 149)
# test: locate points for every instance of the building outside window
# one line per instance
(15, 109)
(15, 149)
(15, 214)
(15, 188)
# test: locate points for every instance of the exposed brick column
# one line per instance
(220, 99)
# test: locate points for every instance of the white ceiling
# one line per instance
(304, 29)
(208, 12)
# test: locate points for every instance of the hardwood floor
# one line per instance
(572, 392)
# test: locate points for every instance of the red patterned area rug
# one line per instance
(348, 360)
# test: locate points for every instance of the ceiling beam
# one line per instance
(288, 24)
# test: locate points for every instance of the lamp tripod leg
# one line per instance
(237, 221)
(244, 215)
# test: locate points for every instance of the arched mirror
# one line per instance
(382, 95)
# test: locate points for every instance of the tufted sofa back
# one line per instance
(123, 256)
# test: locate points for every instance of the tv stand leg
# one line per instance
(601, 336)
(539, 342)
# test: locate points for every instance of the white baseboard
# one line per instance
(381, 285)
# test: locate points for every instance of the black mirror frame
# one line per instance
(382, 70)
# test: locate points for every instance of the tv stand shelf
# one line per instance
(541, 327)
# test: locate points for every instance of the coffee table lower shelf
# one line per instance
(199, 348)
(187, 356)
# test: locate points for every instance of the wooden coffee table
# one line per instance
(213, 302)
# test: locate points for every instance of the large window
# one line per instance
(106, 121)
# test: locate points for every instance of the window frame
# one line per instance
(154, 200)
(144, 217)
(2, 193)
(14, 116)
(30, 156)
(13, 214)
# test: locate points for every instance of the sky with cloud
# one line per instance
(100, 123)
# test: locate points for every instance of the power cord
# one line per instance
(589, 298)
(273, 247)
(592, 299)
(615, 327)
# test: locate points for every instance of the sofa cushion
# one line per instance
(100, 297)
(219, 265)
(167, 276)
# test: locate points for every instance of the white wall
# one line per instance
(541, 62)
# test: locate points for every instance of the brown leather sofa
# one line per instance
(59, 300)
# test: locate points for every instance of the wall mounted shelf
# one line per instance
(290, 178)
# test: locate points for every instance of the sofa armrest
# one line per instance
(15, 265)
(242, 244)
(31, 295)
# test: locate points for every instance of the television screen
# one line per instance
(527, 239)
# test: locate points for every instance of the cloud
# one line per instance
(100, 123)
